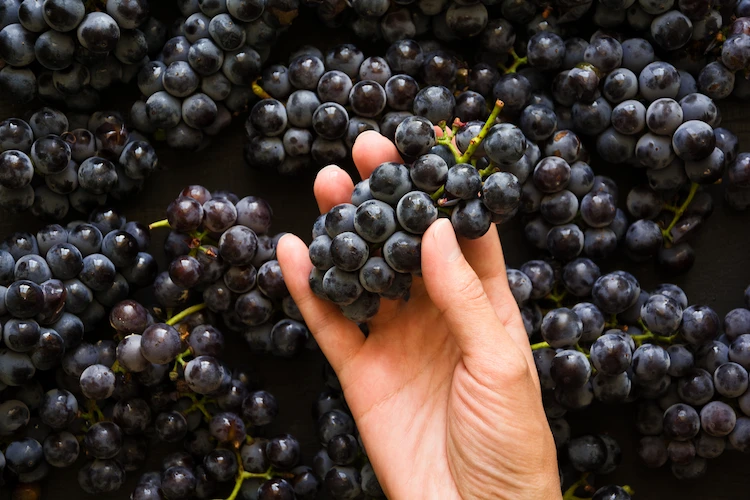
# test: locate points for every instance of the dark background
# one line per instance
(718, 279)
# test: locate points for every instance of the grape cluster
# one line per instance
(314, 109)
(371, 247)
(55, 161)
(601, 337)
(588, 454)
(341, 463)
(66, 51)
(56, 287)
(222, 253)
(182, 391)
(648, 115)
(205, 72)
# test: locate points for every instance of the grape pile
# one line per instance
(54, 162)
(56, 287)
(617, 343)
(341, 463)
(501, 110)
(159, 377)
(205, 72)
(220, 456)
(66, 51)
(221, 252)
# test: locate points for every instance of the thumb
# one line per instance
(458, 293)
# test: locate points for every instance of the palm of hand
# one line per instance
(443, 399)
(400, 392)
(430, 418)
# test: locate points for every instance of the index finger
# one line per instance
(370, 150)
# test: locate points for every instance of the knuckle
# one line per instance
(470, 290)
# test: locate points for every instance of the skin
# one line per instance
(444, 390)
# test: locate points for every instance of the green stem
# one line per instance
(258, 90)
(570, 493)
(679, 211)
(476, 141)
(159, 223)
(649, 335)
(184, 314)
(557, 298)
(581, 349)
(117, 367)
(447, 140)
(179, 361)
(612, 323)
(539, 345)
(456, 126)
(437, 194)
(517, 61)
(486, 172)
(198, 405)
(93, 415)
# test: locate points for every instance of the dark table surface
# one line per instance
(719, 277)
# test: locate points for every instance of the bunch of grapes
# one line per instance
(371, 247)
(315, 107)
(66, 51)
(223, 255)
(603, 338)
(637, 120)
(205, 72)
(193, 397)
(56, 287)
(54, 162)
(341, 463)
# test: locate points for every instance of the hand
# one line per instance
(443, 390)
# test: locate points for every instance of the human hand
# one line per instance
(443, 389)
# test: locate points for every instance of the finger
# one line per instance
(332, 187)
(457, 292)
(485, 256)
(370, 150)
(338, 338)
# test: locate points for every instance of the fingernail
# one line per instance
(329, 172)
(445, 239)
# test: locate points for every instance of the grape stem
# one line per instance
(437, 194)
(184, 314)
(570, 493)
(517, 61)
(159, 223)
(117, 367)
(93, 415)
(198, 405)
(447, 140)
(242, 474)
(476, 141)
(258, 90)
(179, 361)
(539, 345)
(678, 211)
(582, 350)
(649, 335)
(612, 323)
(486, 172)
(557, 297)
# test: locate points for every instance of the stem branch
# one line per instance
(476, 141)
(184, 314)
(159, 223)
(678, 211)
